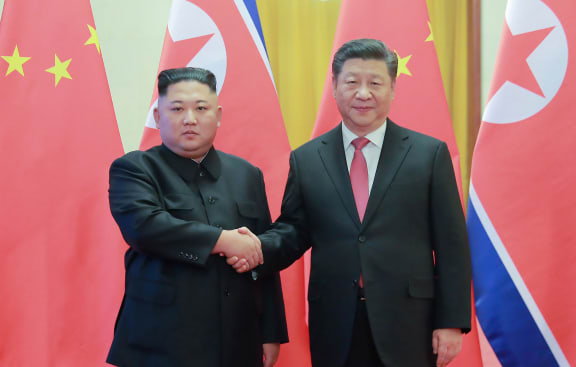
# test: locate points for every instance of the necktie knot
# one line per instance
(360, 142)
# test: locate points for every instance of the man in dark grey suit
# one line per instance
(379, 206)
(177, 205)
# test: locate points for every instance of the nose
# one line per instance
(363, 91)
(189, 117)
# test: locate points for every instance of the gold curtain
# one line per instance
(299, 36)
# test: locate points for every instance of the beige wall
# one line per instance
(492, 19)
(131, 34)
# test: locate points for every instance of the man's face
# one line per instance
(364, 92)
(188, 117)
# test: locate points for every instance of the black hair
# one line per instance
(365, 49)
(172, 76)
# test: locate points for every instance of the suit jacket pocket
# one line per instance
(182, 206)
(247, 209)
(249, 215)
(421, 287)
(150, 314)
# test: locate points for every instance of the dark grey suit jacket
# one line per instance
(411, 248)
(183, 306)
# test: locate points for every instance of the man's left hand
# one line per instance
(446, 343)
(271, 353)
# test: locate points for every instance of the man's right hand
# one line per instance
(244, 249)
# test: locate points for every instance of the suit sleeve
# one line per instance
(147, 226)
(288, 238)
(451, 248)
(273, 320)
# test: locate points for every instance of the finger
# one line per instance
(259, 252)
(240, 264)
(442, 356)
(244, 230)
(231, 260)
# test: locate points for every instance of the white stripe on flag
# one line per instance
(517, 279)
(255, 36)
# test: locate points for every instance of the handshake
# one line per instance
(241, 247)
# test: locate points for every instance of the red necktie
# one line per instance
(359, 176)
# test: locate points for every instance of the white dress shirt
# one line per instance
(371, 151)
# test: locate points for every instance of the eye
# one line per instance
(351, 82)
(176, 109)
(201, 108)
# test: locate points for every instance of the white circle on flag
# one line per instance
(548, 62)
(187, 20)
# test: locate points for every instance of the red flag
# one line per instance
(523, 190)
(419, 103)
(223, 38)
(61, 251)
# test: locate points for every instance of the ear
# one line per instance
(219, 115)
(334, 85)
(156, 116)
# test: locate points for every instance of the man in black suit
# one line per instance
(176, 205)
(390, 268)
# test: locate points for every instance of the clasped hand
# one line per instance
(241, 247)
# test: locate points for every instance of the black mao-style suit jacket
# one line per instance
(411, 247)
(183, 306)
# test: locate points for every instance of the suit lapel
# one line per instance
(334, 159)
(394, 149)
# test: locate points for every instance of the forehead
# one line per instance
(369, 67)
(189, 90)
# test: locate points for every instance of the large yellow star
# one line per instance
(59, 69)
(403, 65)
(93, 40)
(15, 62)
(431, 35)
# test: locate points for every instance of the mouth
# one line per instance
(189, 133)
(362, 108)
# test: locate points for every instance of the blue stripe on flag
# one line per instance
(253, 10)
(504, 317)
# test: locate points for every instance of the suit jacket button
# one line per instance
(227, 292)
(362, 238)
(212, 200)
(201, 173)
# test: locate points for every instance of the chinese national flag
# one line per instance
(225, 38)
(419, 103)
(523, 190)
(61, 260)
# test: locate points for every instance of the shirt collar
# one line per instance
(189, 169)
(376, 137)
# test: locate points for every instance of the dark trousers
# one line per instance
(362, 351)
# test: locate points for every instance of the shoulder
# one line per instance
(415, 137)
(333, 136)
(139, 157)
(231, 161)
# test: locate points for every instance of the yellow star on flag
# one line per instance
(93, 40)
(59, 69)
(15, 62)
(431, 35)
(403, 65)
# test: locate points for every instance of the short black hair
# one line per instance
(172, 76)
(365, 49)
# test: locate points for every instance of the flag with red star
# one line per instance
(61, 250)
(225, 37)
(523, 190)
(419, 102)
